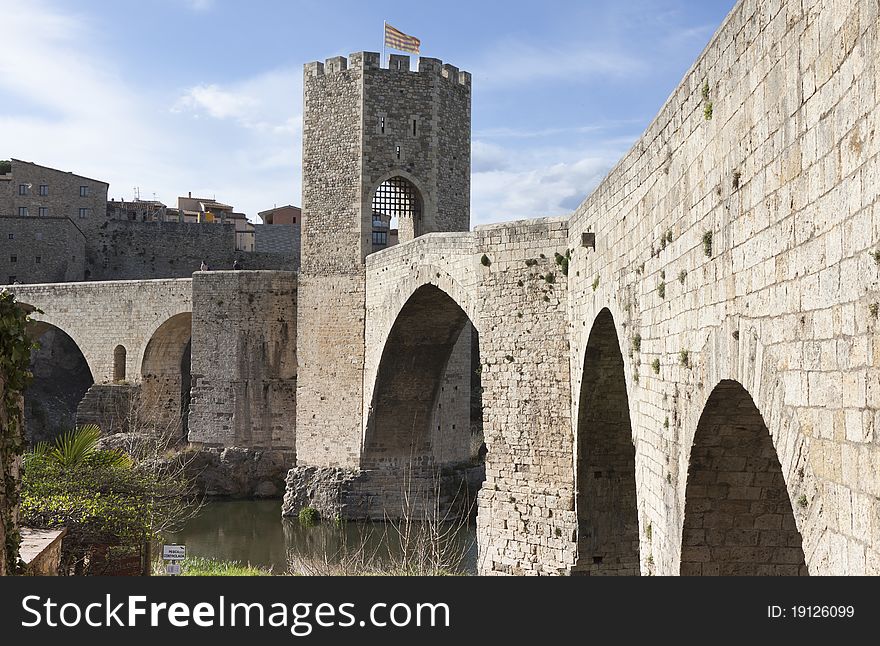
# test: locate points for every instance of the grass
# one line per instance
(202, 566)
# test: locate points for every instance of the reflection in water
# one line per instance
(252, 531)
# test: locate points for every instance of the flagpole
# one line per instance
(384, 30)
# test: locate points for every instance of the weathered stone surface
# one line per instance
(239, 472)
(326, 489)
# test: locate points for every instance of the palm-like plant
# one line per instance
(73, 448)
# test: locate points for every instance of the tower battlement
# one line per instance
(363, 61)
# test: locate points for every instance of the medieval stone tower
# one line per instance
(378, 144)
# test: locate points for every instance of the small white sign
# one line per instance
(173, 552)
(172, 569)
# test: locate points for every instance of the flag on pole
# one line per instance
(396, 39)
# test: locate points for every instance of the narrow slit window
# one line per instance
(415, 127)
(398, 152)
(382, 125)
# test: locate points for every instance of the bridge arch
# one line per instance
(607, 508)
(62, 375)
(166, 376)
(738, 517)
(418, 418)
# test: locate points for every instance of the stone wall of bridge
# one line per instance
(730, 252)
(736, 241)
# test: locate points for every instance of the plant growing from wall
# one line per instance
(309, 517)
(684, 358)
(707, 244)
(876, 256)
(485, 261)
(873, 309)
(655, 366)
(707, 111)
(705, 91)
(637, 342)
(682, 276)
(736, 177)
(550, 278)
(596, 283)
(15, 355)
(661, 289)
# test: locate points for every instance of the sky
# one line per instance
(170, 96)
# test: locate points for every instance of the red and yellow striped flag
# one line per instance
(396, 39)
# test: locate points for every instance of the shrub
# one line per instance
(485, 261)
(661, 289)
(655, 366)
(684, 358)
(309, 516)
(104, 498)
(637, 342)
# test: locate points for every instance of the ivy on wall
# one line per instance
(15, 355)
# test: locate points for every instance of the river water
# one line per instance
(252, 531)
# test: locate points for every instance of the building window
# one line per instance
(38, 259)
(382, 125)
(23, 189)
(12, 236)
(83, 213)
(415, 125)
(44, 190)
(83, 191)
(13, 258)
(380, 238)
(43, 211)
(39, 235)
(22, 211)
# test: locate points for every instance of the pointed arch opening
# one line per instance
(397, 209)
(607, 508)
(738, 516)
(422, 442)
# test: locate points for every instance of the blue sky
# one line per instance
(205, 96)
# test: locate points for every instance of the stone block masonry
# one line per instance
(244, 364)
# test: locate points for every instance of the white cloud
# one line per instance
(267, 102)
(67, 105)
(540, 182)
(511, 63)
(200, 5)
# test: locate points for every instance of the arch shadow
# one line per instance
(607, 507)
(738, 517)
(418, 431)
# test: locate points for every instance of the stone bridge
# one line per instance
(101, 317)
(681, 377)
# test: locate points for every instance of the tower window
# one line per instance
(38, 259)
(12, 236)
(398, 152)
(13, 258)
(22, 211)
(382, 125)
(415, 127)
